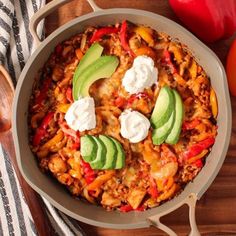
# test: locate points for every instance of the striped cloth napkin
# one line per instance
(16, 45)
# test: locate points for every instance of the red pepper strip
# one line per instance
(198, 163)
(43, 92)
(126, 208)
(135, 96)
(123, 39)
(167, 60)
(99, 33)
(188, 125)
(69, 95)
(89, 173)
(198, 148)
(153, 189)
(41, 131)
(141, 208)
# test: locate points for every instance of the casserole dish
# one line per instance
(51, 190)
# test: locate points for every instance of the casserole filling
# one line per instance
(123, 116)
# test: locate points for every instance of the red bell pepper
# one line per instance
(153, 189)
(188, 125)
(198, 148)
(41, 131)
(89, 173)
(198, 163)
(99, 33)
(166, 60)
(43, 92)
(231, 68)
(123, 38)
(128, 207)
(210, 20)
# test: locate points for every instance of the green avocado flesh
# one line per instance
(159, 135)
(120, 160)
(92, 54)
(88, 148)
(173, 136)
(163, 108)
(102, 152)
(100, 157)
(111, 152)
(168, 101)
(103, 67)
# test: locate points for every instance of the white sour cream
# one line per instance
(134, 126)
(141, 75)
(81, 115)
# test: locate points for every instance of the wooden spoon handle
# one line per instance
(34, 201)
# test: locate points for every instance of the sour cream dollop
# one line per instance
(134, 126)
(81, 115)
(143, 74)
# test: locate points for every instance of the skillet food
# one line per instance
(123, 116)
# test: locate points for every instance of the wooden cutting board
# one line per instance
(216, 211)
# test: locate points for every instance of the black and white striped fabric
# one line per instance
(16, 45)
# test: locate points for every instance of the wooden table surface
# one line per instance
(216, 211)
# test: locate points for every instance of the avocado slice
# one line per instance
(111, 152)
(100, 158)
(91, 55)
(103, 67)
(120, 160)
(159, 135)
(163, 108)
(88, 148)
(173, 136)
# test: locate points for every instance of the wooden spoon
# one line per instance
(33, 200)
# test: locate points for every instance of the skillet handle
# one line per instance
(191, 202)
(46, 10)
